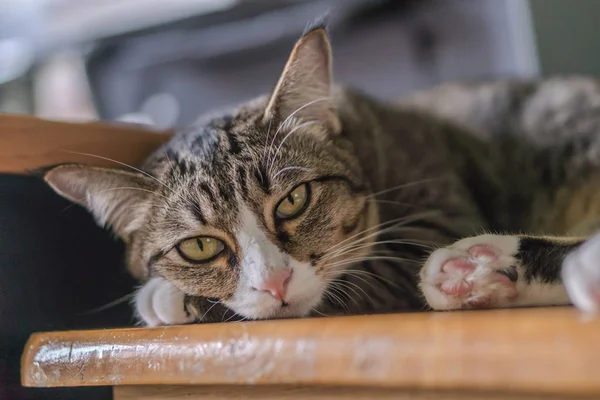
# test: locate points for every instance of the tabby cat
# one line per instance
(318, 200)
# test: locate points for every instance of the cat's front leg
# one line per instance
(159, 302)
(492, 271)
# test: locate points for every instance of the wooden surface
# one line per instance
(28, 143)
(524, 350)
(316, 393)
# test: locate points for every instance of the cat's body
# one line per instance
(323, 201)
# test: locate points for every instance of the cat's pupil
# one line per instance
(290, 199)
(200, 245)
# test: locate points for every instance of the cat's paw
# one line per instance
(581, 276)
(159, 302)
(477, 272)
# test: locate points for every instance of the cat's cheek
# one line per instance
(159, 302)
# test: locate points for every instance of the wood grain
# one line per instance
(28, 143)
(315, 393)
(526, 350)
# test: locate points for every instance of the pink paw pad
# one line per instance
(459, 265)
(484, 253)
(457, 288)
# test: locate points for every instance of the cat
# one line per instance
(320, 200)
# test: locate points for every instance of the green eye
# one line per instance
(202, 248)
(294, 203)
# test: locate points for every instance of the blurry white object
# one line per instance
(16, 57)
(163, 109)
(88, 20)
(61, 89)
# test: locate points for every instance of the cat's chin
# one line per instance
(293, 309)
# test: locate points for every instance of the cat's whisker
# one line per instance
(355, 272)
(225, 313)
(403, 186)
(372, 258)
(358, 234)
(289, 168)
(111, 304)
(274, 158)
(207, 311)
(129, 188)
(353, 284)
(398, 221)
(338, 286)
(289, 117)
(267, 140)
(319, 312)
(229, 319)
(122, 164)
(394, 202)
(359, 246)
(336, 297)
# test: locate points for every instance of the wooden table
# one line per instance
(550, 353)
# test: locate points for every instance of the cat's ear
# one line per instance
(305, 86)
(115, 197)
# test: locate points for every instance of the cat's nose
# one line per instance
(276, 284)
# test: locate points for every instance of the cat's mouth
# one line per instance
(263, 307)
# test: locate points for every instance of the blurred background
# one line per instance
(165, 62)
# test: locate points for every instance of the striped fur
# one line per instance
(389, 183)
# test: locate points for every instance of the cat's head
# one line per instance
(260, 209)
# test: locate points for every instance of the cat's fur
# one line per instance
(388, 183)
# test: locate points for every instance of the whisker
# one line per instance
(129, 188)
(398, 221)
(319, 312)
(289, 168)
(111, 304)
(354, 272)
(372, 258)
(274, 158)
(209, 308)
(229, 319)
(123, 164)
(225, 313)
(336, 297)
(359, 246)
(353, 284)
(289, 117)
(394, 202)
(267, 140)
(352, 275)
(403, 186)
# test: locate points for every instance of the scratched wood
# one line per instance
(161, 392)
(28, 143)
(550, 350)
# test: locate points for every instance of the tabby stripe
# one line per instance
(209, 192)
(263, 179)
(234, 145)
(195, 209)
(241, 177)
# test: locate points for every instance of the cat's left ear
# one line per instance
(116, 198)
(304, 89)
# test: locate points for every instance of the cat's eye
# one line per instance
(294, 203)
(200, 249)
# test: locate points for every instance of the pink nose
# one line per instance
(276, 284)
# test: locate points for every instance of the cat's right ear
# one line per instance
(304, 89)
(116, 198)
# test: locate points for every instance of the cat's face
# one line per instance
(254, 209)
